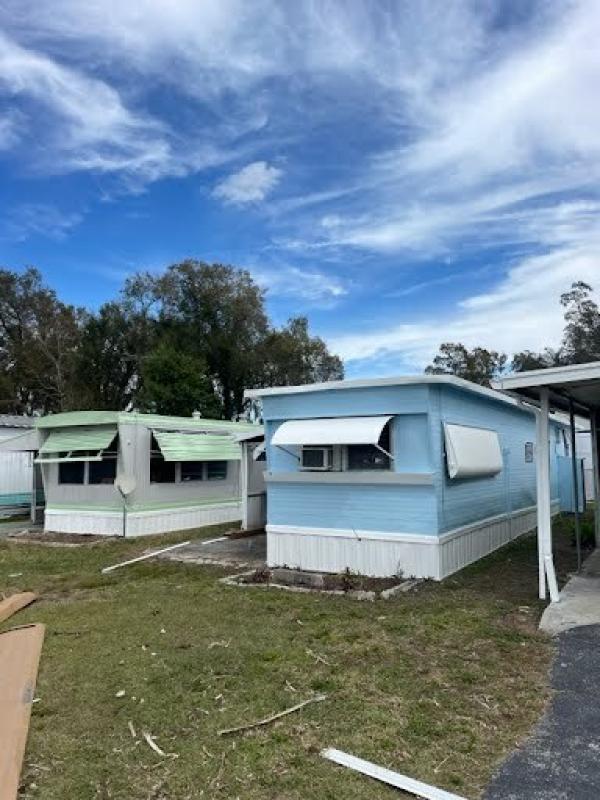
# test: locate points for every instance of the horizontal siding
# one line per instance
(406, 509)
(469, 500)
(347, 402)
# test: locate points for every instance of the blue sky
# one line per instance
(404, 173)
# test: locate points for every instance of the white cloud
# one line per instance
(251, 184)
(96, 130)
(522, 311)
(307, 286)
(41, 219)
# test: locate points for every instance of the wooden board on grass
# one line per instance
(20, 650)
(15, 603)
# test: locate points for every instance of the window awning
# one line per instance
(339, 430)
(197, 446)
(66, 440)
(472, 452)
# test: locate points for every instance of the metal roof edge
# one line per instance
(402, 380)
(566, 374)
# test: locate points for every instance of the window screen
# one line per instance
(192, 471)
(71, 472)
(104, 471)
(217, 470)
(161, 471)
(367, 456)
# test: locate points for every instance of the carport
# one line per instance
(575, 390)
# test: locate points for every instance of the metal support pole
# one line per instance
(544, 498)
(575, 475)
(540, 524)
(596, 464)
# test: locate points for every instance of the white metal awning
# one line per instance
(472, 452)
(338, 430)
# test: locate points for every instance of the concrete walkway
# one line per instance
(561, 759)
(579, 600)
(247, 551)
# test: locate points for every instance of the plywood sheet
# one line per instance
(12, 604)
(20, 650)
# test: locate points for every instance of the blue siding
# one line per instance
(417, 442)
(347, 402)
(464, 501)
(394, 509)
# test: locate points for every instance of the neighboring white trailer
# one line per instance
(16, 467)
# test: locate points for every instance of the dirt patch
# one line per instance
(57, 539)
(361, 587)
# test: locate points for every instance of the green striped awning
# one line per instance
(197, 446)
(66, 440)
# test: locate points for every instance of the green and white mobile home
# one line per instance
(130, 474)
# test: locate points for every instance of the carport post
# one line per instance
(596, 464)
(544, 511)
(575, 478)
(540, 525)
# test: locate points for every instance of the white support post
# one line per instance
(544, 494)
(596, 465)
(540, 522)
(244, 477)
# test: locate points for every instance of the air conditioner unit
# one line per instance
(317, 458)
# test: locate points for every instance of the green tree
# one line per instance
(526, 360)
(115, 340)
(477, 365)
(39, 339)
(290, 356)
(216, 312)
(175, 382)
(581, 338)
(581, 335)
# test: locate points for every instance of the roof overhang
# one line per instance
(27, 441)
(577, 383)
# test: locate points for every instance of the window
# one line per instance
(367, 456)
(104, 471)
(71, 472)
(161, 471)
(217, 470)
(192, 471)
(528, 452)
(317, 458)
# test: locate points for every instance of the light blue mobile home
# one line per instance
(413, 475)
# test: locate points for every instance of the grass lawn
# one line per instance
(439, 684)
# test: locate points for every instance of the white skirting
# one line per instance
(139, 523)
(385, 554)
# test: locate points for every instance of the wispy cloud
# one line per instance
(251, 184)
(38, 219)
(306, 286)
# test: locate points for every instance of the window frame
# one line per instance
(110, 454)
(340, 456)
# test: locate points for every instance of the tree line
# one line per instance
(580, 344)
(189, 339)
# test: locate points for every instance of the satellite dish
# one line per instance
(125, 484)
